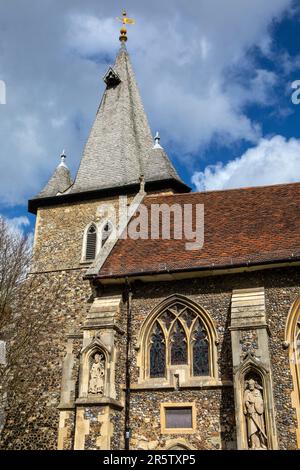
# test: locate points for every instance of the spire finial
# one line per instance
(157, 141)
(123, 32)
(63, 157)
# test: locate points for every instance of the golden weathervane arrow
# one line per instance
(125, 20)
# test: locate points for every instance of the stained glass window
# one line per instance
(168, 318)
(179, 336)
(157, 353)
(178, 345)
(200, 350)
(188, 317)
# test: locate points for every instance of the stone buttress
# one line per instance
(91, 402)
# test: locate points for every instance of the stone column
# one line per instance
(252, 375)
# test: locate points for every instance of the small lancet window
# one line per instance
(91, 243)
(106, 232)
(200, 350)
(178, 345)
(157, 353)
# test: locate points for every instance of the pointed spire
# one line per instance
(118, 149)
(60, 181)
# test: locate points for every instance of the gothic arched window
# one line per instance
(91, 243)
(179, 336)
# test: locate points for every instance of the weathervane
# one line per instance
(125, 20)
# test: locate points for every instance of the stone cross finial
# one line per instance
(123, 32)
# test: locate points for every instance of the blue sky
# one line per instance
(215, 82)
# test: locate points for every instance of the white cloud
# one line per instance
(85, 31)
(182, 53)
(272, 161)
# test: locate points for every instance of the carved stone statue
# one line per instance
(254, 412)
(97, 375)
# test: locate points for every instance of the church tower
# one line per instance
(120, 158)
(119, 153)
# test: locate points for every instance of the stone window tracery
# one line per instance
(179, 336)
(178, 344)
(95, 236)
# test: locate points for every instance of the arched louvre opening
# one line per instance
(157, 352)
(106, 232)
(91, 243)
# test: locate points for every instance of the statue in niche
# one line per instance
(97, 375)
(254, 412)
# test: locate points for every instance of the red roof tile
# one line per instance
(249, 225)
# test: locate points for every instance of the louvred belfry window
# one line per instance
(106, 232)
(91, 243)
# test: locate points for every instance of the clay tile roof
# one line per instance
(249, 225)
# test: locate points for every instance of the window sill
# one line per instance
(86, 263)
(208, 383)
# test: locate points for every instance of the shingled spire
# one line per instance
(119, 148)
(59, 182)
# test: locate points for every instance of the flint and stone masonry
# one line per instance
(149, 346)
